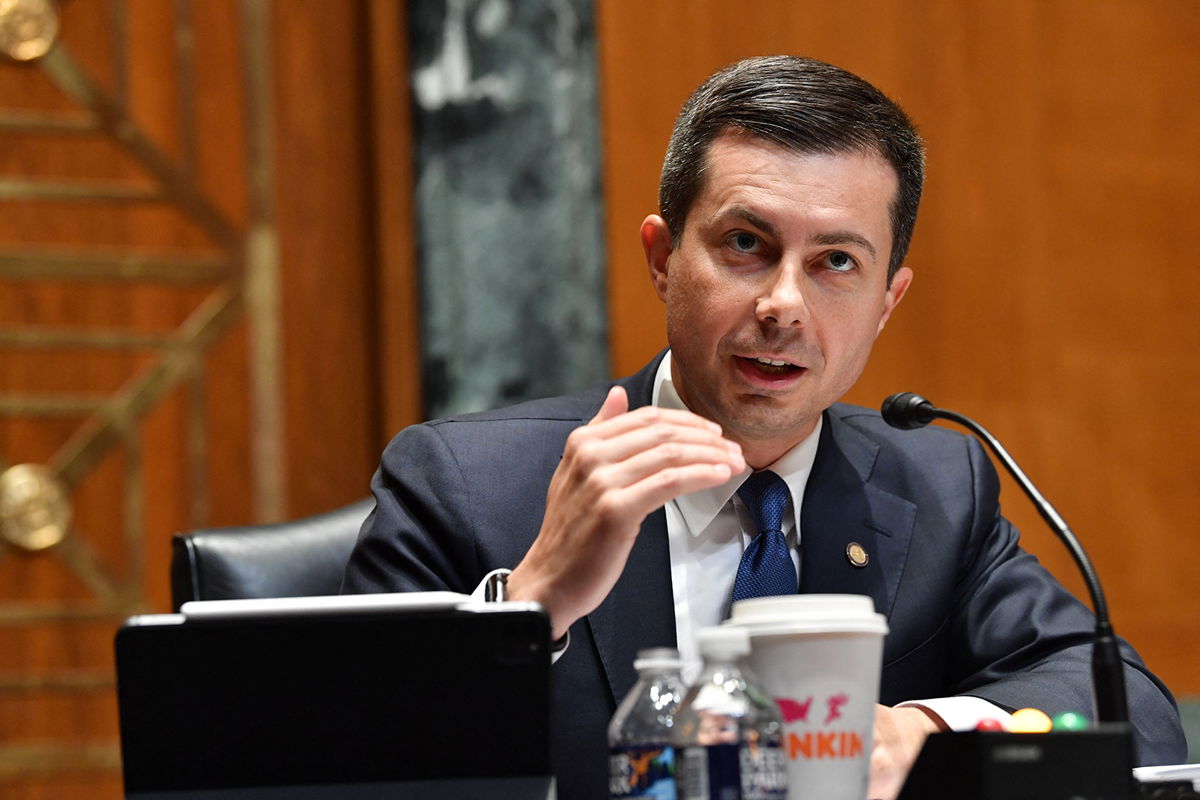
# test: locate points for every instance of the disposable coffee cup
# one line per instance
(819, 655)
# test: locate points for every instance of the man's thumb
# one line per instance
(614, 405)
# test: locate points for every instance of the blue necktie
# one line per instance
(766, 568)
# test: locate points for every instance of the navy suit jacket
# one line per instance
(969, 612)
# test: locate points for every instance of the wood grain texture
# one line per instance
(323, 192)
(1055, 296)
(396, 290)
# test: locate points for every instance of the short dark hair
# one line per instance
(806, 106)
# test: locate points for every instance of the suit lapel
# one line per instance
(842, 507)
(640, 610)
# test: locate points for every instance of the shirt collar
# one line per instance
(700, 508)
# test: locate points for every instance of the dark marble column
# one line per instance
(509, 207)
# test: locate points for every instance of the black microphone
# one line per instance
(908, 411)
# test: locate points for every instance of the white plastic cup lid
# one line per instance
(808, 613)
(723, 642)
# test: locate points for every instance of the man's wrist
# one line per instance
(519, 586)
(494, 589)
(930, 720)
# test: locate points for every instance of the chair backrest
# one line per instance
(300, 558)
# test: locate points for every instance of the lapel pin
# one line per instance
(856, 554)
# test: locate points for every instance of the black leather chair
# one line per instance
(301, 558)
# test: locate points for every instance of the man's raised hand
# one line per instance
(615, 471)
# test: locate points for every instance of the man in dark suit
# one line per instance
(788, 199)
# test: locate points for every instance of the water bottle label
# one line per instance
(764, 772)
(642, 772)
(733, 772)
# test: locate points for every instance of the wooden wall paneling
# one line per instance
(397, 301)
(1052, 300)
(322, 185)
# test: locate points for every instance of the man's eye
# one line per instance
(743, 242)
(839, 261)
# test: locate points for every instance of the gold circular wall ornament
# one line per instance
(34, 509)
(28, 28)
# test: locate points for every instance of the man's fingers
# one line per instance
(611, 439)
(622, 421)
(673, 455)
(899, 734)
(662, 485)
(600, 446)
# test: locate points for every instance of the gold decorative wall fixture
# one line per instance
(28, 28)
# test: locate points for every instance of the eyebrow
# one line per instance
(831, 238)
(754, 219)
(845, 237)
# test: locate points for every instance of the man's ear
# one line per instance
(657, 244)
(894, 294)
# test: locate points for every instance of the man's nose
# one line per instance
(782, 299)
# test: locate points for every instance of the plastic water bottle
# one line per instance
(728, 735)
(641, 758)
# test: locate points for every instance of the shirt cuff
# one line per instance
(557, 647)
(962, 713)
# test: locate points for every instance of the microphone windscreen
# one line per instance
(907, 411)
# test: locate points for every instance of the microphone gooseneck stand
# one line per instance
(908, 411)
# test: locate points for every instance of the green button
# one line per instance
(1070, 721)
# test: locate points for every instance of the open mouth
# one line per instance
(770, 366)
